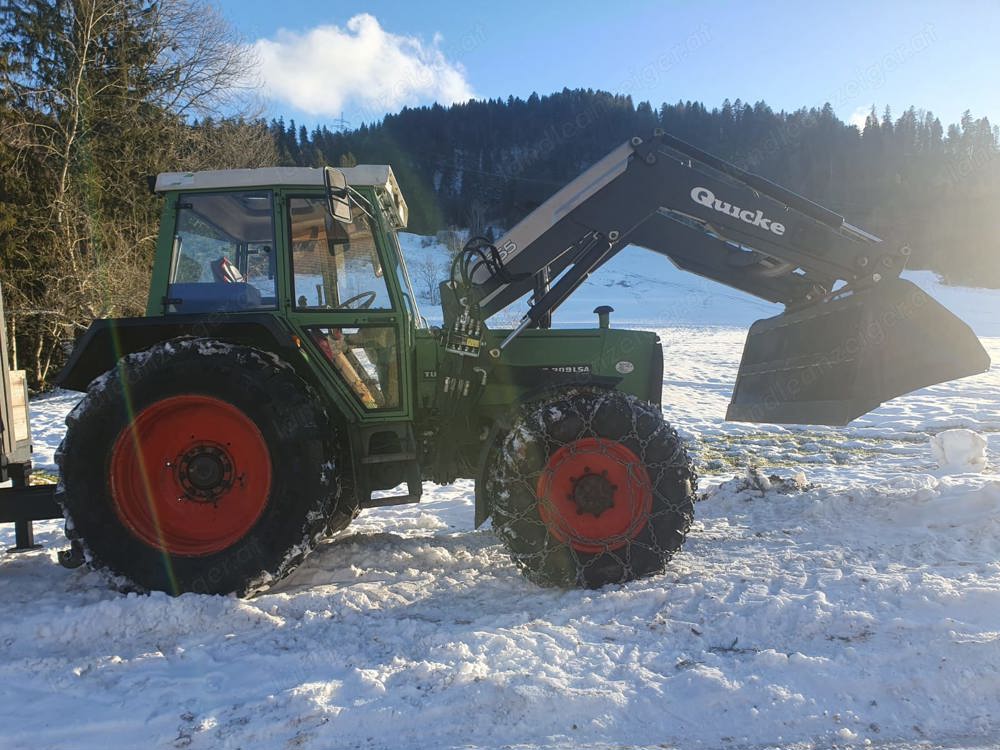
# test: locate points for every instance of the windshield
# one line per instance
(334, 265)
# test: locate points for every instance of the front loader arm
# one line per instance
(706, 215)
(853, 333)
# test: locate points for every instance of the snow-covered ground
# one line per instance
(858, 607)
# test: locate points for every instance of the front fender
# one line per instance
(108, 340)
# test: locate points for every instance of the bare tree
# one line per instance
(225, 144)
(428, 275)
(477, 217)
(200, 67)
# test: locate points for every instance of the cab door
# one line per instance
(342, 296)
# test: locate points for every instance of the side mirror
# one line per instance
(338, 200)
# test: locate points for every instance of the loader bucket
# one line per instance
(835, 360)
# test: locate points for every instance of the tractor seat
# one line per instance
(226, 272)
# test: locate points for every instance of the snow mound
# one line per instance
(756, 482)
(959, 451)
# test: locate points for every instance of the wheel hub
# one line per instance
(190, 475)
(205, 472)
(592, 493)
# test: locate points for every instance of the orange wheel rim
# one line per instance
(595, 495)
(190, 475)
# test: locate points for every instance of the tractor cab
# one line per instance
(317, 246)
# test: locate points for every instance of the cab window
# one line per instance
(403, 277)
(367, 359)
(223, 257)
(335, 266)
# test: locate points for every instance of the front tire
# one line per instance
(198, 466)
(590, 487)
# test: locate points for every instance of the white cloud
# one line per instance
(859, 116)
(360, 67)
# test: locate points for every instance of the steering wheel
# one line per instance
(368, 297)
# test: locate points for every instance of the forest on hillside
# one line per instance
(907, 178)
(96, 95)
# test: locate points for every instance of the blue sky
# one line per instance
(318, 62)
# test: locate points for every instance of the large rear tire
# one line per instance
(199, 466)
(590, 487)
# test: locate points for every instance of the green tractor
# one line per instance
(283, 378)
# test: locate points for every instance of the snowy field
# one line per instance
(856, 604)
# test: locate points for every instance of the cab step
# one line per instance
(390, 458)
(382, 502)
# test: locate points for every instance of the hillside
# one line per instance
(647, 290)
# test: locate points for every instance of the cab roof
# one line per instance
(378, 176)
